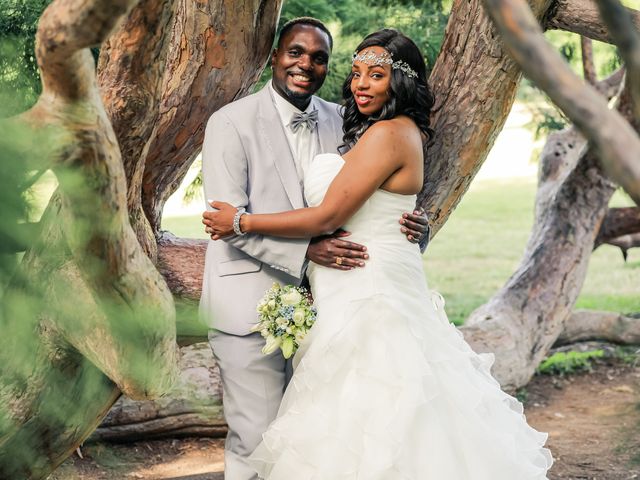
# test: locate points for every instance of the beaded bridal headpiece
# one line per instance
(369, 57)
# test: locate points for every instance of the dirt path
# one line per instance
(593, 422)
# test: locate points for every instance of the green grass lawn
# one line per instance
(481, 244)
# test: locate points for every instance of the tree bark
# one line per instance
(585, 325)
(582, 17)
(122, 314)
(163, 73)
(618, 222)
(522, 321)
(118, 334)
(193, 407)
(626, 36)
(181, 263)
(588, 66)
(475, 83)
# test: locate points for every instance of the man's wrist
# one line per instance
(243, 223)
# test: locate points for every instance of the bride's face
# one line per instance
(371, 79)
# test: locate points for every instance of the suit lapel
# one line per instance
(272, 133)
(327, 132)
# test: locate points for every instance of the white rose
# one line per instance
(281, 321)
(271, 305)
(291, 298)
(298, 316)
(300, 334)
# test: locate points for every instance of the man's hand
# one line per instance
(415, 225)
(332, 251)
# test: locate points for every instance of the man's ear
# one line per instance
(274, 54)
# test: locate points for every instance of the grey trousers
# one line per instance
(253, 385)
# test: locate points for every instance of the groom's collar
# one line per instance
(285, 108)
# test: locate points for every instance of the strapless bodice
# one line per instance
(392, 257)
(377, 220)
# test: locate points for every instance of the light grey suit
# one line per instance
(247, 161)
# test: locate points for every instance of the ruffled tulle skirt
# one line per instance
(384, 390)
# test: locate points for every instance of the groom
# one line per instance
(255, 153)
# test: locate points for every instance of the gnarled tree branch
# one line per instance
(108, 321)
(584, 325)
(582, 17)
(475, 83)
(588, 66)
(617, 143)
(626, 36)
(618, 222)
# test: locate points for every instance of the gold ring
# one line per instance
(338, 260)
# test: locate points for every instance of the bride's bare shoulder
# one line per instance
(398, 134)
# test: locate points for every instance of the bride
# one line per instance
(385, 388)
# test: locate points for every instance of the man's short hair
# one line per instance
(314, 22)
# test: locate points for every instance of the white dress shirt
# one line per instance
(303, 143)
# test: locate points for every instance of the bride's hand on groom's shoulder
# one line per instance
(335, 252)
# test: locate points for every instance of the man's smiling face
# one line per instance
(300, 63)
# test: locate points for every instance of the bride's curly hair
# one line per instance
(407, 96)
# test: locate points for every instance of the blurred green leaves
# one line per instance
(18, 67)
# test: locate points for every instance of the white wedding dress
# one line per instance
(385, 388)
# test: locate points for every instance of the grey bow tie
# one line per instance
(303, 118)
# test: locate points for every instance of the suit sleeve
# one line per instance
(225, 175)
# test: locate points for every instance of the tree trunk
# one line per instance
(162, 74)
(118, 332)
(613, 136)
(523, 320)
(475, 83)
(582, 17)
(193, 407)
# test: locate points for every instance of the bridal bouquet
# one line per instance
(286, 315)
